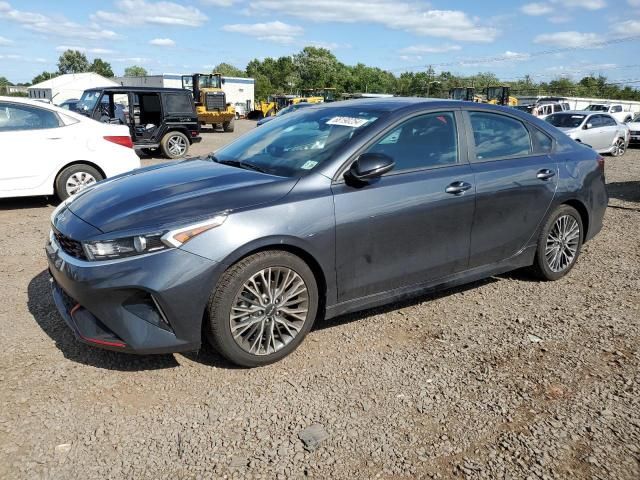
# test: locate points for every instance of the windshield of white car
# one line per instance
(565, 120)
(597, 108)
(293, 145)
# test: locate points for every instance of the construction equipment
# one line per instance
(211, 101)
(317, 95)
(273, 105)
(464, 93)
(500, 96)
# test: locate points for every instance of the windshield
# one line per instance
(209, 81)
(292, 108)
(88, 101)
(636, 118)
(295, 144)
(565, 120)
(597, 108)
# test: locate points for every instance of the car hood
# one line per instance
(175, 193)
(567, 130)
(635, 126)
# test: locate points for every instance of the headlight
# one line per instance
(124, 247)
(148, 243)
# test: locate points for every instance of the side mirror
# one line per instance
(369, 166)
(588, 126)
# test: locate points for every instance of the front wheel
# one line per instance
(262, 308)
(174, 145)
(559, 244)
(74, 179)
(229, 126)
(619, 148)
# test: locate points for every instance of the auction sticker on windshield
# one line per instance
(353, 122)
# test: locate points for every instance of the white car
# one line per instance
(46, 150)
(634, 127)
(617, 111)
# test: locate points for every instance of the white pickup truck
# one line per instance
(615, 110)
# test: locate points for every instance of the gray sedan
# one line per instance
(598, 130)
(333, 209)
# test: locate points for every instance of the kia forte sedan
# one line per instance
(340, 207)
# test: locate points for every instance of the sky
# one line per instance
(545, 39)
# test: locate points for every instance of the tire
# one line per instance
(253, 346)
(174, 145)
(229, 126)
(619, 148)
(75, 178)
(552, 238)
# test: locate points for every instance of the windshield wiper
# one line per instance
(236, 163)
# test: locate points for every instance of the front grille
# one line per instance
(215, 101)
(635, 132)
(69, 245)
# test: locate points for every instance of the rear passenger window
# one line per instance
(543, 142)
(498, 136)
(176, 102)
(426, 141)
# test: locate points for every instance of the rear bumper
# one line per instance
(197, 139)
(148, 304)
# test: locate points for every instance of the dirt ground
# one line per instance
(503, 378)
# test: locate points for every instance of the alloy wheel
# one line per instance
(562, 243)
(269, 310)
(177, 145)
(619, 148)
(79, 181)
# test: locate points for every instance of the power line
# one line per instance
(523, 56)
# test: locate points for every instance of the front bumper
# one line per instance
(634, 139)
(148, 304)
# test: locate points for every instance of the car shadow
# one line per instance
(625, 191)
(397, 305)
(41, 306)
(18, 203)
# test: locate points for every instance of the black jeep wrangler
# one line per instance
(162, 118)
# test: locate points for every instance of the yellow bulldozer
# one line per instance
(465, 93)
(211, 101)
(273, 104)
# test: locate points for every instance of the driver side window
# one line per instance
(426, 141)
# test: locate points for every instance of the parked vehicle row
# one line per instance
(333, 209)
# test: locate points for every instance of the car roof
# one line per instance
(138, 89)
(393, 104)
(44, 105)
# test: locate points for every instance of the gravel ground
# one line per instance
(503, 378)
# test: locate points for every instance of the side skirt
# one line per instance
(523, 259)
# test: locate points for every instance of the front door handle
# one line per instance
(545, 174)
(458, 188)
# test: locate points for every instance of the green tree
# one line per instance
(41, 77)
(73, 61)
(135, 71)
(228, 70)
(4, 82)
(101, 67)
(317, 67)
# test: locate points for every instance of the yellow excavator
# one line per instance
(211, 101)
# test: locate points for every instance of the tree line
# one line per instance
(315, 67)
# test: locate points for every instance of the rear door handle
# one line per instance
(545, 174)
(458, 188)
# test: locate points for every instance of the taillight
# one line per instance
(194, 133)
(601, 162)
(123, 140)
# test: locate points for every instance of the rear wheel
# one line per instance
(174, 145)
(229, 126)
(74, 179)
(619, 148)
(262, 308)
(559, 244)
